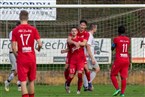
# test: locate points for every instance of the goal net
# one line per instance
(54, 25)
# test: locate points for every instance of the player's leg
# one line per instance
(66, 71)
(31, 89)
(22, 70)
(86, 77)
(72, 70)
(124, 75)
(80, 69)
(7, 82)
(80, 81)
(24, 89)
(13, 72)
(87, 72)
(18, 82)
(68, 82)
(31, 78)
(19, 85)
(85, 82)
(114, 72)
(94, 71)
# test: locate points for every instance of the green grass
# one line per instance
(58, 91)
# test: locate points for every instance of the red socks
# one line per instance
(66, 73)
(88, 75)
(28, 95)
(123, 86)
(114, 81)
(68, 80)
(80, 81)
(25, 95)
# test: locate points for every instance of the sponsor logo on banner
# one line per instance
(138, 50)
(35, 14)
(51, 51)
(102, 50)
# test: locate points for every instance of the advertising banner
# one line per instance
(51, 51)
(35, 14)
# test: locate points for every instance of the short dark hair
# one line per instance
(91, 26)
(83, 21)
(121, 29)
(23, 15)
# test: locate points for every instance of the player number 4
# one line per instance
(124, 48)
(22, 38)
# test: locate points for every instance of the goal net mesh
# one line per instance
(107, 19)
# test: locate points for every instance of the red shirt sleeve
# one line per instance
(86, 36)
(37, 36)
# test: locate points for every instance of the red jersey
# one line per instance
(25, 35)
(84, 35)
(122, 44)
(77, 53)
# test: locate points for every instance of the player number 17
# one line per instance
(22, 38)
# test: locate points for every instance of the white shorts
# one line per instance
(92, 66)
(13, 61)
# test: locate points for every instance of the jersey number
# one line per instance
(124, 48)
(22, 38)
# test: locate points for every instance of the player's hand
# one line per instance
(93, 61)
(77, 45)
(38, 49)
(62, 51)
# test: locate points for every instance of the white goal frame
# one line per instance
(79, 6)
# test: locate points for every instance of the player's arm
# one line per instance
(70, 41)
(90, 54)
(113, 46)
(38, 40)
(39, 44)
(86, 38)
(84, 43)
(64, 51)
(14, 43)
(14, 47)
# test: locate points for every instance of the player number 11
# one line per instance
(124, 48)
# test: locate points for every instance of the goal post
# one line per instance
(78, 6)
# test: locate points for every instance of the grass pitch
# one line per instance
(59, 91)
